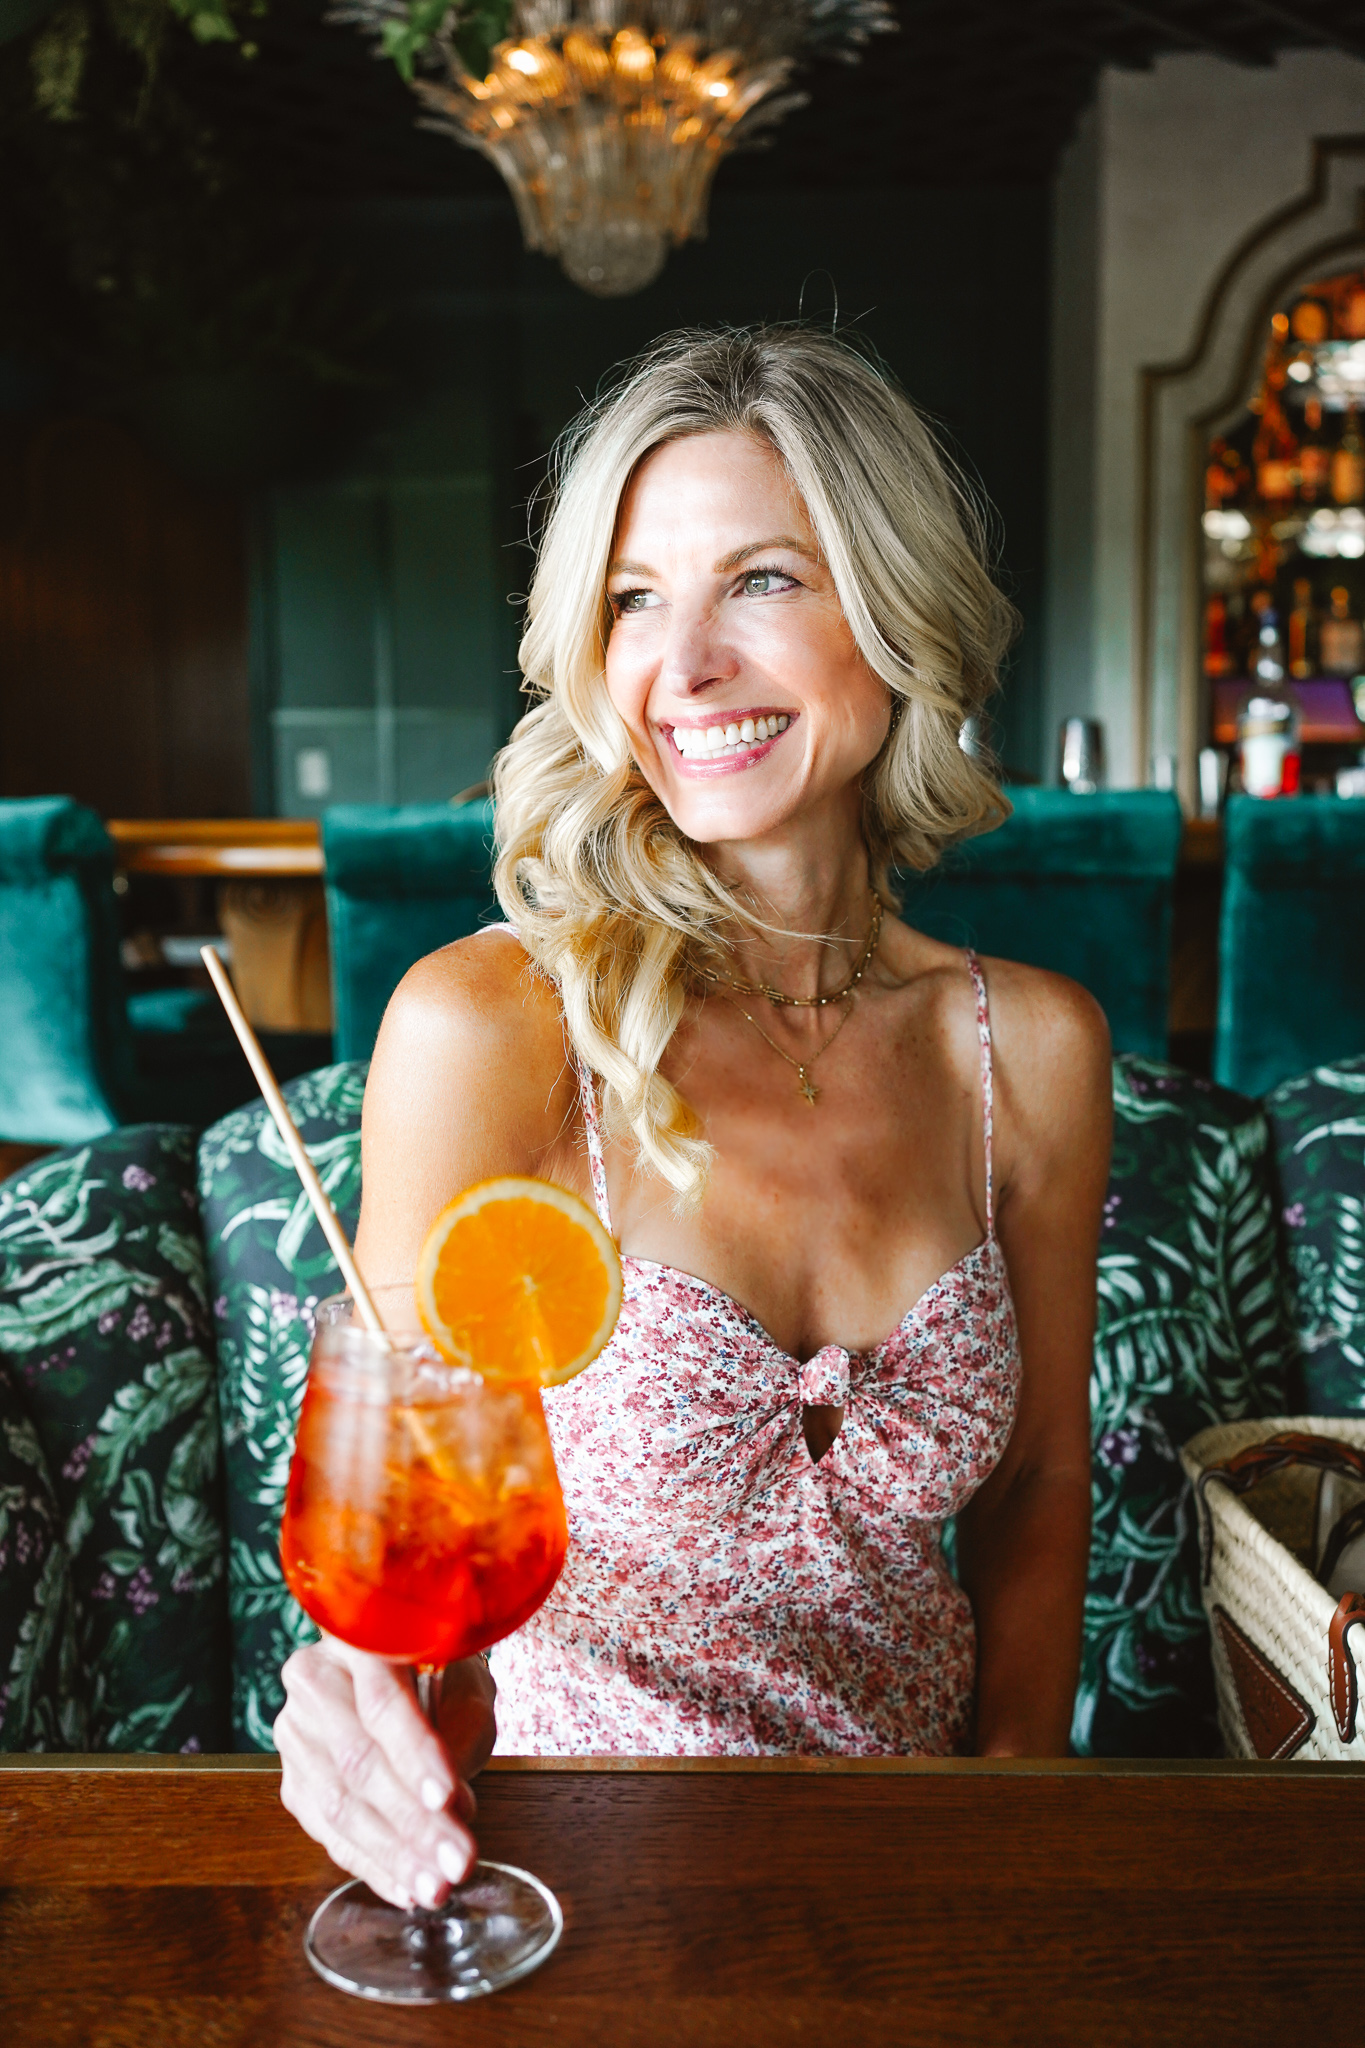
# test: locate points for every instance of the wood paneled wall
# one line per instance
(123, 628)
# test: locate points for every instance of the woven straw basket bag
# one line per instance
(1288, 1656)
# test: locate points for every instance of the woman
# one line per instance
(759, 621)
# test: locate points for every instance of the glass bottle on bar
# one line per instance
(1315, 457)
(1268, 723)
(1342, 639)
(1348, 462)
(1275, 453)
(1301, 633)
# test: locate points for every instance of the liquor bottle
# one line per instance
(1275, 454)
(1267, 670)
(1217, 660)
(1300, 630)
(1315, 457)
(1352, 320)
(1246, 619)
(1268, 724)
(1342, 638)
(1348, 463)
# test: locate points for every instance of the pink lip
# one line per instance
(725, 764)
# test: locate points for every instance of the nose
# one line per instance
(696, 653)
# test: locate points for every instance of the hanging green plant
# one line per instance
(61, 48)
(473, 30)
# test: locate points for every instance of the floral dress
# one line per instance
(726, 1595)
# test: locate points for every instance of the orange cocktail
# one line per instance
(424, 1519)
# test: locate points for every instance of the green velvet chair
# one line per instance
(67, 1050)
(1291, 990)
(402, 879)
(80, 1055)
(1079, 884)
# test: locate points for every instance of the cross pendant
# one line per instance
(808, 1088)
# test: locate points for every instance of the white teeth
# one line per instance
(696, 744)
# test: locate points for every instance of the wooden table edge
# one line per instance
(765, 1766)
(247, 849)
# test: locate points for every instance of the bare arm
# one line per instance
(1024, 1538)
(468, 1081)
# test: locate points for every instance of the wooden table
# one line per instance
(162, 1903)
(264, 849)
(270, 904)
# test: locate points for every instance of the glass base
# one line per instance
(498, 1925)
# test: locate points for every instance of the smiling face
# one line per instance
(730, 660)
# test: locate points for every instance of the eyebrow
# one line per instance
(760, 547)
(726, 562)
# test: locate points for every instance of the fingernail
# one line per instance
(426, 1888)
(454, 1862)
(434, 1794)
(403, 1900)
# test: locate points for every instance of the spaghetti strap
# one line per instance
(983, 1032)
(592, 1127)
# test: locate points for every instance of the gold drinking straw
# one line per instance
(294, 1145)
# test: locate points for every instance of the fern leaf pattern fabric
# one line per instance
(1190, 1331)
(1319, 1126)
(105, 1347)
(270, 1267)
(41, 1697)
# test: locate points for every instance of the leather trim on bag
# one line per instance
(1258, 1461)
(1342, 1683)
(1277, 1720)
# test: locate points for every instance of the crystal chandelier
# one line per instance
(608, 118)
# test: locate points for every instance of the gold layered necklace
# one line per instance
(804, 1084)
(847, 995)
(779, 996)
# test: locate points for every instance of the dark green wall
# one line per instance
(384, 634)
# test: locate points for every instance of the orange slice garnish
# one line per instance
(519, 1280)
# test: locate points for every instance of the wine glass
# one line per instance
(423, 1522)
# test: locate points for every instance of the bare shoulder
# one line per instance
(1052, 1055)
(470, 1072)
(1044, 1026)
(476, 999)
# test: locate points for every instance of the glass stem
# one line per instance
(430, 1679)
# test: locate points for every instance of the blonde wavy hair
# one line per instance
(609, 898)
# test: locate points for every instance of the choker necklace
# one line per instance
(780, 999)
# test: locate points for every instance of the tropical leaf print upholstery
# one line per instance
(41, 1703)
(104, 1340)
(1318, 1122)
(270, 1267)
(117, 1636)
(1190, 1331)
